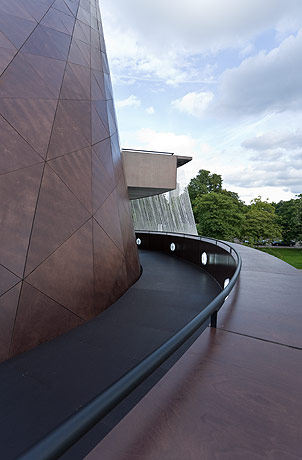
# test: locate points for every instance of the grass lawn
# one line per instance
(292, 256)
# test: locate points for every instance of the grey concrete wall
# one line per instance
(149, 174)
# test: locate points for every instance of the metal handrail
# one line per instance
(58, 441)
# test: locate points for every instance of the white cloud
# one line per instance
(268, 82)
(276, 170)
(247, 50)
(155, 38)
(200, 25)
(194, 103)
(150, 110)
(131, 101)
(181, 144)
(273, 140)
(275, 163)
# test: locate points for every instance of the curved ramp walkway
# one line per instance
(236, 393)
(40, 388)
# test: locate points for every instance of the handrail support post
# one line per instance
(214, 319)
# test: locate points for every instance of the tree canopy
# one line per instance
(261, 222)
(219, 213)
(290, 218)
(203, 183)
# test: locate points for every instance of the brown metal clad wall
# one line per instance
(67, 245)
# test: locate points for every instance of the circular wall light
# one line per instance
(226, 282)
(204, 258)
(138, 241)
(172, 247)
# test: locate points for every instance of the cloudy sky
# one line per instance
(220, 80)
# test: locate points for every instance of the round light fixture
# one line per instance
(226, 282)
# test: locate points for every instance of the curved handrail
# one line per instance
(69, 432)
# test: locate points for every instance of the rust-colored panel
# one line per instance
(7, 280)
(15, 152)
(32, 118)
(17, 30)
(96, 92)
(7, 52)
(124, 212)
(97, 86)
(98, 129)
(76, 55)
(116, 157)
(37, 9)
(85, 51)
(94, 23)
(71, 130)
(67, 275)
(101, 109)
(102, 41)
(95, 40)
(59, 214)
(19, 192)
(48, 42)
(111, 117)
(6, 55)
(5, 43)
(39, 318)
(108, 218)
(60, 5)
(59, 21)
(105, 64)
(108, 86)
(15, 8)
(21, 80)
(81, 32)
(102, 185)
(72, 6)
(75, 171)
(76, 84)
(103, 152)
(132, 260)
(50, 70)
(128, 235)
(109, 272)
(83, 16)
(8, 309)
(96, 60)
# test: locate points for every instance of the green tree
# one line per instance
(290, 218)
(203, 183)
(218, 215)
(261, 222)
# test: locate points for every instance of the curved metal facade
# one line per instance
(67, 242)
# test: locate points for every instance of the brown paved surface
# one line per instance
(236, 393)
